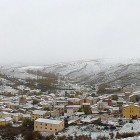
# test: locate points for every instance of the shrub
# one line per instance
(125, 135)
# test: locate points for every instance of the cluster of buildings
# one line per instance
(52, 113)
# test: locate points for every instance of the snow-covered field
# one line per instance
(131, 127)
(134, 138)
(95, 132)
(89, 70)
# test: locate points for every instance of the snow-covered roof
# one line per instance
(88, 120)
(85, 103)
(49, 121)
(7, 119)
(59, 106)
(136, 93)
(73, 106)
(40, 112)
(73, 99)
(61, 101)
(79, 113)
(131, 105)
(26, 115)
(115, 108)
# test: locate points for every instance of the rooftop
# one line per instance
(39, 112)
(48, 121)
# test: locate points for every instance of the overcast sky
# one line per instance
(51, 31)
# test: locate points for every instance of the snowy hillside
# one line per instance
(100, 70)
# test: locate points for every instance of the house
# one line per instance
(26, 116)
(101, 105)
(120, 103)
(61, 102)
(54, 113)
(45, 104)
(5, 121)
(85, 104)
(115, 111)
(22, 100)
(48, 125)
(135, 96)
(13, 106)
(16, 116)
(60, 109)
(94, 110)
(72, 108)
(73, 101)
(89, 120)
(131, 111)
(128, 89)
(108, 101)
(39, 114)
(87, 100)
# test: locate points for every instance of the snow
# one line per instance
(33, 68)
(128, 127)
(82, 69)
(40, 112)
(132, 138)
(94, 132)
(89, 120)
(80, 130)
(7, 89)
(49, 121)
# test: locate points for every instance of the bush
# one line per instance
(115, 97)
(28, 123)
(9, 133)
(102, 138)
(125, 135)
(35, 101)
(32, 135)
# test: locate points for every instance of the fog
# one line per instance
(51, 31)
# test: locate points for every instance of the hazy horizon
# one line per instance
(48, 32)
(112, 60)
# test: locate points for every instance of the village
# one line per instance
(73, 112)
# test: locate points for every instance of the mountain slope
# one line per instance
(122, 71)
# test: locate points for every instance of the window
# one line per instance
(55, 129)
(50, 128)
(46, 124)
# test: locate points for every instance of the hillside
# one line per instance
(115, 71)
